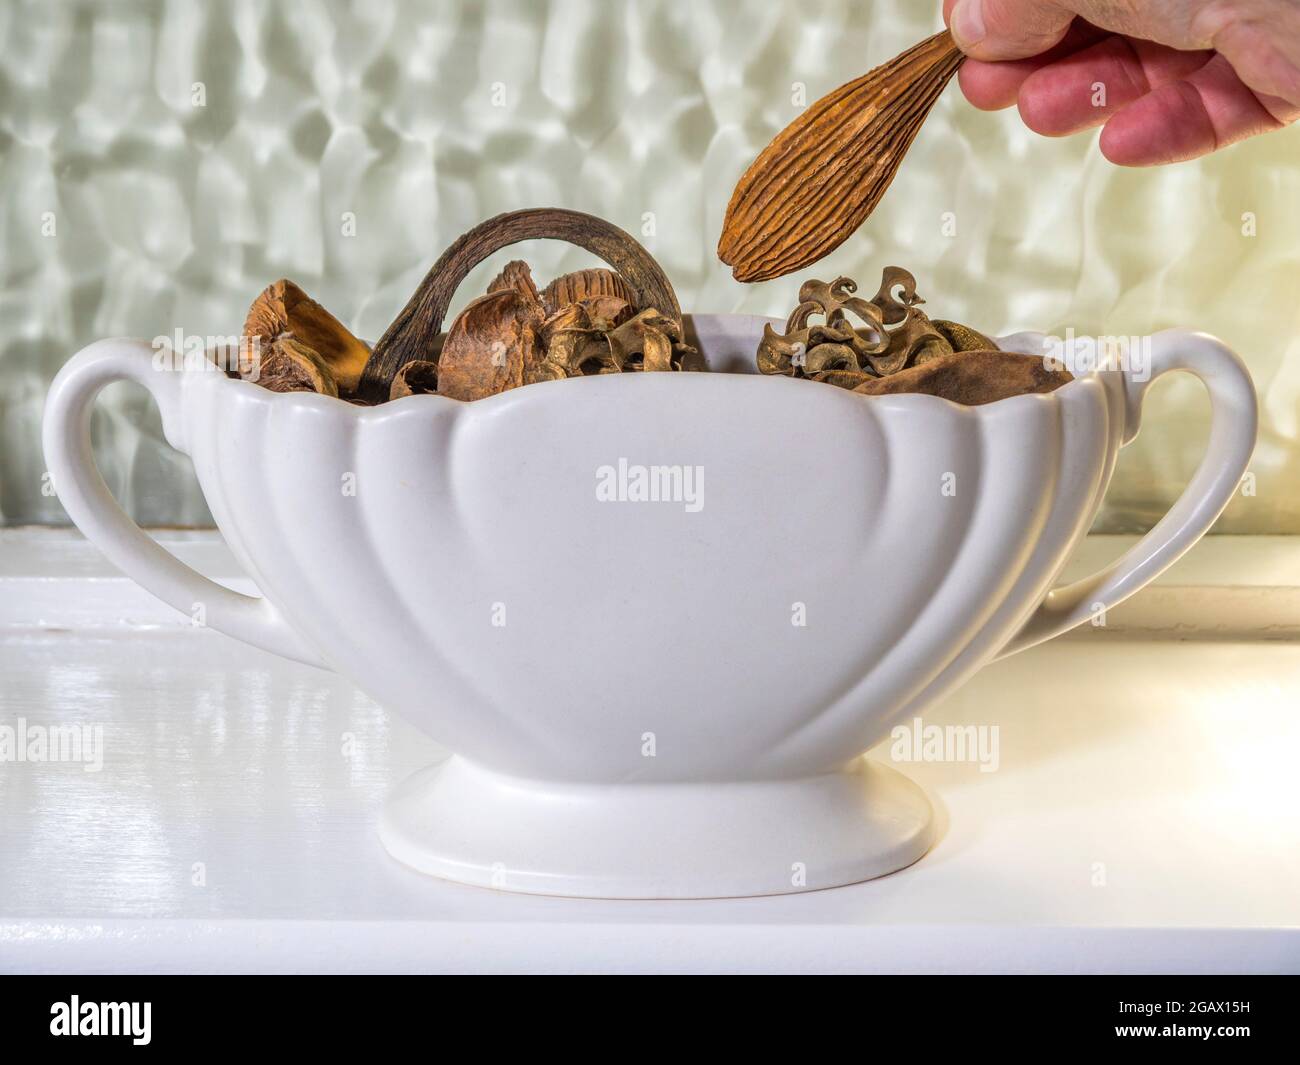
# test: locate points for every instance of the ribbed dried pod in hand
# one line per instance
(820, 178)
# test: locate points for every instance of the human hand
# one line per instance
(1169, 79)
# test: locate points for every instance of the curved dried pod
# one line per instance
(835, 301)
(593, 353)
(285, 310)
(564, 345)
(566, 319)
(893, 309)
(777, 354)
(606, 312)
(802, 315)
(583, 285)
(963, 337)
(919, 341)
(820, 178)
(488, 346)
(687, 359)
(973, 378)
(645, 342)
(825, 296)
(546, 370)
(837, 296)
(826, 357)
(414, 332)
(288, 365)
(517, 275)
(888, 362)
(416, 378)
(836, 333)
(867, 341)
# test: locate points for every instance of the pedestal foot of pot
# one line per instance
(657, 841)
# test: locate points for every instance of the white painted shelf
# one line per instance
(1144, 815)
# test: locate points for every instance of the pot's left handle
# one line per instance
(86, 498)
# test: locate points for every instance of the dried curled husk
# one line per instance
(417, 378)
(284, 312)
(888, 344)
(490, 346)
(288, 365)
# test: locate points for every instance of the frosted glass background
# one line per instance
(136, 201)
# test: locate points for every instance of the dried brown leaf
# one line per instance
(418, 377)
(972, 377)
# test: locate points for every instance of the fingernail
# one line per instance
(967, 23)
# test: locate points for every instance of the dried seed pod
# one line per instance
(586, 284)
(651, 342)
(417, 378)
(517, 275)
(849, 346)
(824, 173)
(545, 370)
(895, 310)
(963, 337)
(565, 345)
(826, 357)
(777, 354)
(918, 341)
(283, 309)
(635, 341)
(972, 377)
(606, 312)
(594, 354)
(566, 319)
(687, 359)
(288, 365)
(488, 346)
(835, 300)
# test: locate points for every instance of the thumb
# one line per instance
(1007, 29)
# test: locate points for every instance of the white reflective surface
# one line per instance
(1142, 814)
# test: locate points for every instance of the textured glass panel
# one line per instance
(162, 162)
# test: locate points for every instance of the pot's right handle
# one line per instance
(1233, 425)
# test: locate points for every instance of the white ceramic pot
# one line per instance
(650, 698)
